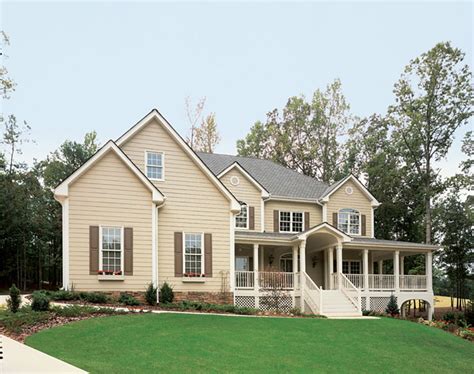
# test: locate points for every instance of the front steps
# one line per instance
(336, 304)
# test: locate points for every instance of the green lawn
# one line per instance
(205, 343)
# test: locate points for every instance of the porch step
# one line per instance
(336, 304)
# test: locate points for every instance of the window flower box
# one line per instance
(106, 275)
(194, 277)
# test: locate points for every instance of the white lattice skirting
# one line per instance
(267, 303)
(378, 304)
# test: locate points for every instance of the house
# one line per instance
(220, 228)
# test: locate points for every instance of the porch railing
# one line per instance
(413, 282)
(312, 294)
(379, 282)
(267, 279)
(351, 292)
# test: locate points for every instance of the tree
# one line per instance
(305, 136)
(13, 137)
(206, 136)
(194, 115)
(434, 98)
(453, 224)
(7, 84)
(392, 306)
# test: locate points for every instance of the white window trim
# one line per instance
(247, 223)
(203, 264)
(122, 252)
(291, 221)
(349, 221)
(162, 179)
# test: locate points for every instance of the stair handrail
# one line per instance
(348, 287)
(312, 288)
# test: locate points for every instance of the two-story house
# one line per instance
(147, 208)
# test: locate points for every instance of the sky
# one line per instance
(82, 66)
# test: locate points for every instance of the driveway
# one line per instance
(19, 358)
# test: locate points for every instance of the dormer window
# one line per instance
(154, 162)
(241, 219)
(349, 221)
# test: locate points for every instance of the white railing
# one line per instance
(356, 279)
(244, 279)
(413, 282)
(381, 282)
(312, 294)
(279, 280)
(351, 292)
(266, 279)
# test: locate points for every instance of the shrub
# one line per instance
(94, 297)
(392, 306)
(25, 317)
(39, 301)
(150, 294)
(457, 319)
(64, 295)
(469, 313)
(205, 307)
(127, 299)
(14, 301)
(166, 293)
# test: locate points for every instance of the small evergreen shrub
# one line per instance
(166, 293)
(14, 301)
(392, 307)
(39, 301)
(469, 313)
(64, 295)
(150, 294)
(94, 297)
(128, 299)
(457, 319)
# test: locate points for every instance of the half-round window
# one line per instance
(348, 221)
(234, 180)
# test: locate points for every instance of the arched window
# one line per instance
(348, 221)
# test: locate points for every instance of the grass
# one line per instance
(207, 343)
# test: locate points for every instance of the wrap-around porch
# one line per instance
(362, 269)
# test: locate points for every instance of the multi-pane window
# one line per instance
(349, 221)
(111, 249)
(193, 255)
(351, 267)
(291, 221)
(241, 219)
(154, 165)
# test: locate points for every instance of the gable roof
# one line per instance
(252, 180)
(62, 190)
(335, 186)
(278, 180)
(155, 114)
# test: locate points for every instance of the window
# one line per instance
(351, 267)
(241, 219)
(291, 221)
(348, 221)
(193, 255)
(111, 249)
(154, 165)
(242, 263)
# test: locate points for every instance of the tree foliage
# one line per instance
(305, 135)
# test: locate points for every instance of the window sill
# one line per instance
(194, 280)
(111, 277)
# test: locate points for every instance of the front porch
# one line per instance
(365, 272)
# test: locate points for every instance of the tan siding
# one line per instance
(340, 200)
(246, 192)
(193, 204)
(314, 210)
(109, 194)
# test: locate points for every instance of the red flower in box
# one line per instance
(109, 272)
(194, 275)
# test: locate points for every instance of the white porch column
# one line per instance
(255, 267)
(402, 265)
(429, 271)
(330, 266)
(339, 264)
(380, 266)
(295, 273)
(302, 271)
(366, 269)
(396, 269)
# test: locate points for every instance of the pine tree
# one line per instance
(392, 307)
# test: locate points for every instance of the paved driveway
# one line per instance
(19, 358)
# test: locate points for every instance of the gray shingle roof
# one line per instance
(276, 179)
